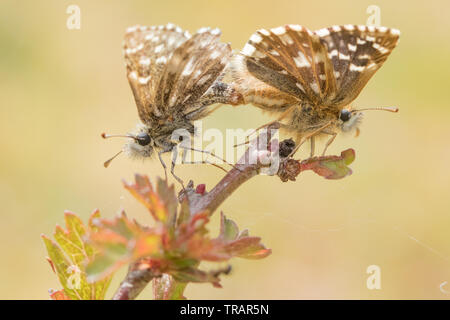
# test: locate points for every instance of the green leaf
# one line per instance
(228, 228)
(68, 256)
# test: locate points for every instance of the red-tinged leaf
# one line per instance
(247, 248)
(58, 295)
(162, 208)
(120, 241)
(331, 167)
(169, 198)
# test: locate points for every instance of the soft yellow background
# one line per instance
(59, 89)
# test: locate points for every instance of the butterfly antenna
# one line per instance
(106, 136)
(390, 109)
(107, 162)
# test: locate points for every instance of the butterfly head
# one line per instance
(350, 120)
(140, 144)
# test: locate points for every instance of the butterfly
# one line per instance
(308, 79)
(175, 79)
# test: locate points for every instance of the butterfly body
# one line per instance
(308, 79)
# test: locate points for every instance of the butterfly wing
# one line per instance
(147, 51)
(328, 67)
(291, 59)
(355, 53)
(191, 70)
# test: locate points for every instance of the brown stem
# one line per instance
(135, 281)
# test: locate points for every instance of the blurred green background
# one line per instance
(60, 88)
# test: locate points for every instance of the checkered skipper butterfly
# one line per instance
(175, 78)
(308, 79)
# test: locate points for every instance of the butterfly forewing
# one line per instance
(192, 69)
(147, 51)
(328, 67)
(355, 53)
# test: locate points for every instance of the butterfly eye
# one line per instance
(143, 138)
(345, 115)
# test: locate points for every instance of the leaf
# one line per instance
(68, 255)
(120, 241)
(331, 167)
(228, 228)
(232, 243)
(161, 204)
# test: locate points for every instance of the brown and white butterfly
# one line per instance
(308, 79)
(175, 78)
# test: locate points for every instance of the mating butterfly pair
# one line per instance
(306, 78)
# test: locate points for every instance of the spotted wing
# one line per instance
(147, 51)
(191, 70)
(291, 59)
(355, 53)
(319, 68)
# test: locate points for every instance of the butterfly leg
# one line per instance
(172, 167)
(162, 162)
(277, 121)
(212, 154)
(330, 141)
(313, 146)
(310, 135)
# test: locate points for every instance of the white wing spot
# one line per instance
(395, 32)
(161, 60)
(264, 32)
(188, 68)
(159, 48)
(315, 87)
(351, 47)
(132, 29)
(301, 60)
(248, 50)
(203, 30)
(215, 31)
(323, 32)
(349, 27)
(370, 39)
(144, 62)
(336, 28)
(299, 85)
(296, 27)
(356, 68)
(144, 80)
(256, 38)
(286, 39)
(360, 41)
(274, 53)
(333, 53)
(278, 31)
(215, 54)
